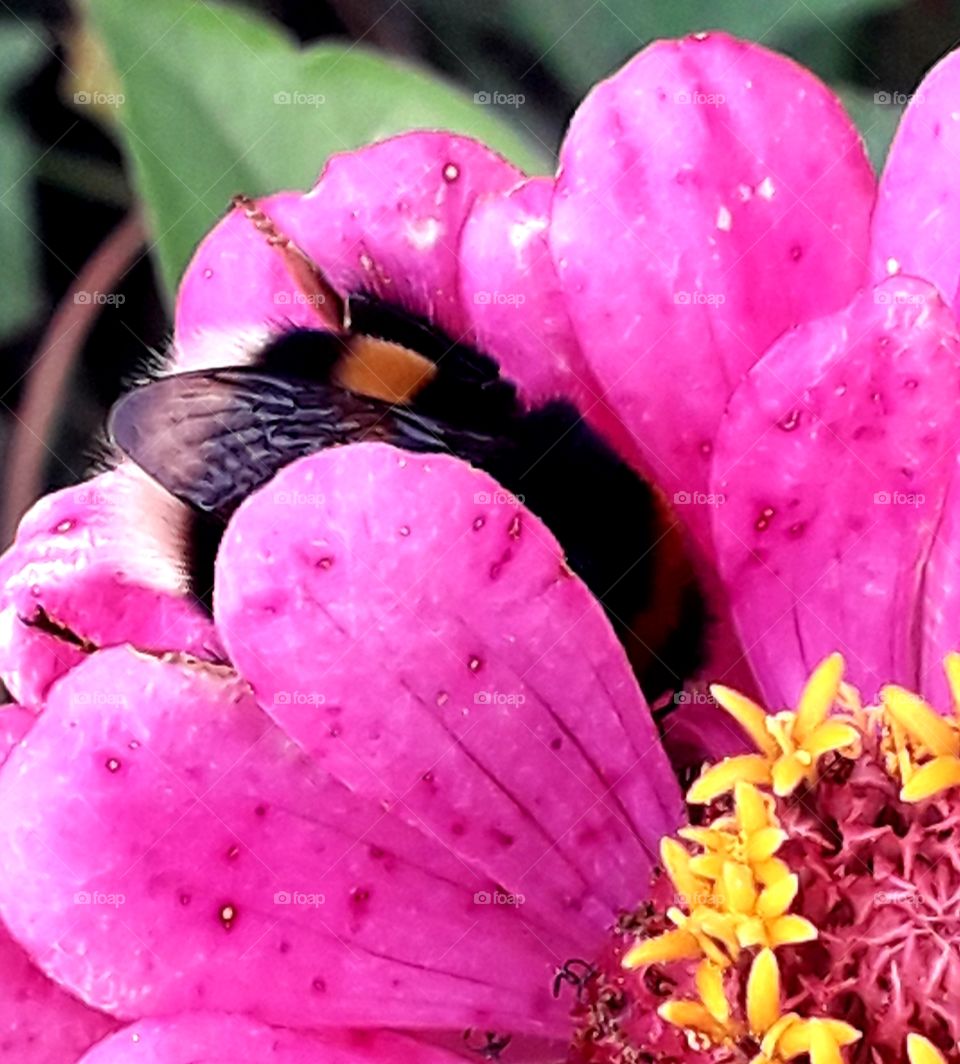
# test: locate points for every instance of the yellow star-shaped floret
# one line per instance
(749, 838)
(791, 743)
(783, 1036)
(926, 745)
(710, 1016)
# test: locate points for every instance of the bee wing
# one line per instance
(211, 437)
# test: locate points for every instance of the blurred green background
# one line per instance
(126, 125)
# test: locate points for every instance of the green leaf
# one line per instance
(20, 50)
(876, 115)
(218, 101)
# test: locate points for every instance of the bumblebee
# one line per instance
(210, 437)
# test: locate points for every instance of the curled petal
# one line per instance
(96, 565)
(385, 220)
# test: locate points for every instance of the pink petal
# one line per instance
(711, 195)
(834, 460)
(517, 308)
(941, 602)
(385, 219)
(916, 224)
(236, 282)
(417, 630)
(188, 1039)
(165, 848)
(99, 560)
(39, 1023)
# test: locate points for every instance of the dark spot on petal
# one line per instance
(404, 530)
(284, 947)
(796, 253)
(442, 698)
(185, 899)
(503, 838)
(260, 810)
(458, 829)
(377, 853)
(323, 563)
(798, 529)
(233, 853)
(319, 985)
(789, 421)
(911, 383)
(478, 523)
(64, 526)
(555, 744)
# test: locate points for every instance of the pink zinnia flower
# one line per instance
(405, 780)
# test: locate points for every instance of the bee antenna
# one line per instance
(304, 272)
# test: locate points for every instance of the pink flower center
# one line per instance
(811, 909)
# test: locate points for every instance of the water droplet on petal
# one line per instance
(227, 914)
(790, 421)
(451, 172)
(113, 764)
